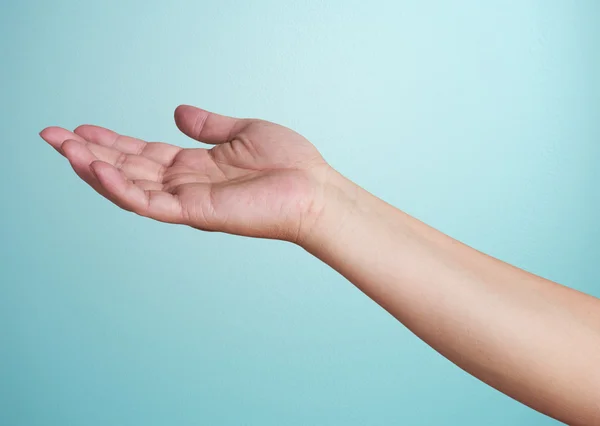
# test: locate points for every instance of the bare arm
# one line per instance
(534, 340)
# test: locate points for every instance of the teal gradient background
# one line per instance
(479, 118)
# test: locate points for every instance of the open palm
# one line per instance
(260, 179)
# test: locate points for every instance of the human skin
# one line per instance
(530, 338)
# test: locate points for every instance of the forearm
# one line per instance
(536, 341)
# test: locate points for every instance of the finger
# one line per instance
(133, 166)
(80, 159)
(158, 152)
(148, 185)
(206, 126)
(157, 205)
(107, 137)
(55, 136)
(162, 153)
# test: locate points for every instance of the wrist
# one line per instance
(335, 203)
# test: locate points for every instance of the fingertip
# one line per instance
(183, 113)
(96, 170)
(177, 111)
(55, 136)
(100, 167)
(49, 129)
(70, 147)
(181, 108)
(77, 129)
(85, 131)
(52, 135)
(82, 129)
(117, 188)
(107, 174)
(95, 164)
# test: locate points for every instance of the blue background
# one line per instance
(479, 118)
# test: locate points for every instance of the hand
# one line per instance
(260, 179)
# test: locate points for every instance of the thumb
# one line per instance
(205, 126)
